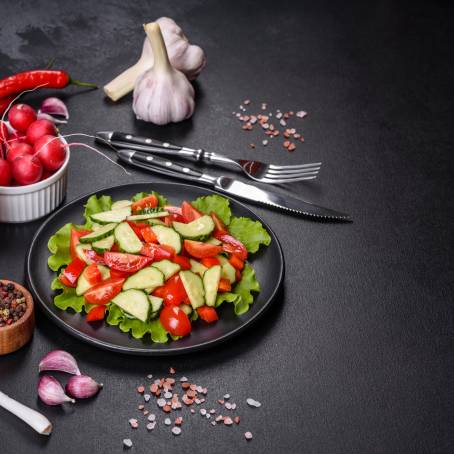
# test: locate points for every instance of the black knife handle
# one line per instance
(132, 139)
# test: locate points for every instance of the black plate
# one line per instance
(268, 264)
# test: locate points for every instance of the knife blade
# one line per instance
(232, 187)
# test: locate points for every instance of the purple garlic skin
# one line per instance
(61, 361)
(51, 392)
(82, 387)
(54, 106)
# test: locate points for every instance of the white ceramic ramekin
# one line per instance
(27, 203)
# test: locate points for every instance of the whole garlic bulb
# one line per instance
(162, 94)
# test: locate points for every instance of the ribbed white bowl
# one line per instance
(27, 203)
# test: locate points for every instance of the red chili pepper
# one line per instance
(4, 103)
(45, 78)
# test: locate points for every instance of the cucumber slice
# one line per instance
(213, 240)
(195, 230)
(186, 308)
(135, 303)
(156, 222)
(147, 278)
(104, 245)
(127, 239)
(197, 267)
(99, 234)
(211, 280)
(80, 248)
(167, 268)
(95, 226)
(194, 288)
(167, 235)
(228, 271)
(106, 217)
(119, 204)
(83, 285)
(156, 304)
(142, 217)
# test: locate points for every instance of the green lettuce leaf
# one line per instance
(220, 205)
(241, 297)
(162, 201)
(96, 205)
(58, 245)
(68, 298)
(251, 233)
(137, 328)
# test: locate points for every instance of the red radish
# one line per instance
(21, 116)
(40, 128)
(4, 134)
(5, 173)
(46, 174)
(17, 136)
(51, 152)
(27, 169)
(17, 149)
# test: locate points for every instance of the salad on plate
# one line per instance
(155, 269)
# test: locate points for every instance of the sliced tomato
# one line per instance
(118, 274)
(189, 213)
(137, 228)
(219, 227)
(200, 250)
(95, 314)
(224, 286)
(233, 246)
(92, 274)
(210, 261)
(236, 262)
(175, 321)
(168, 221)
(72, 272)
(156, 252)
(94, 257)
(115, 248)
(208, 314)
(178, 218)
(104, 292)
(125, 262)
(172, 291)
(75, 240)
(184, 262)
(148, 235)
(147, 202)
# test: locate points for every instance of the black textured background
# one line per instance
(359, 355)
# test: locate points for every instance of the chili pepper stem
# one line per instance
(78, 83)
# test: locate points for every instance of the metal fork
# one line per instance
(256, 170)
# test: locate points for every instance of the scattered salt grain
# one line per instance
(213, 423)
(127, 443)
(150, 376)
(167, 421)
(168, 395)
(301, 114)
(151, 417)
(161, 402)
(176, 430)
(253, 403)
(248, 435)
(146, 397)
(203, 412)
(183, 379)
(151, 425)
(134, 423)
(140, 389)
(226, 396)
(264, 143)
(228, 405)
(228, 421)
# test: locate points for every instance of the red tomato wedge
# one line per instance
(155, 252)
(147, 202)
(75, 240)
(137, 228)
(104, 292)
(189, 213)
(72, 272)
(233, 246)
(184, 262)
(210, 261)
(208, 314)
(175, 321)
(92, 274)
(172, 292)
(94, 257)
(128, 263)
(148, 235)
(95, 314)
(201, 250)
(116, 274)
(236, 262)
(224, 286)
(219, 227)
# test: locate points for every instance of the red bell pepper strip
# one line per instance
(72, 272)
(156, 252)
(75, 240)
(233, 246)
(189, 213)
(236, 262)
(104, 292)
(224, 286)
(210, 261)
(150, 201)
(208, 314)
(175, 321)
(95, 314)
(184, 262)
(93, 257)
(42, 78)
(129, 263)
(200, 250)
(148, 235)
(92, 274)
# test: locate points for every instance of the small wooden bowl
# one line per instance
(17, 334)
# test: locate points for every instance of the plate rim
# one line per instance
(144, 351)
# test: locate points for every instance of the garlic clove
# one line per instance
(51, 392)
(61, 361)
(54, 106)
(82, 387)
